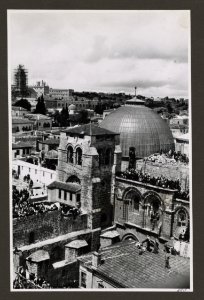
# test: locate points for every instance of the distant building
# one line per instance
(182, 144)
(22, 124)
(17, 111)
(180, 120)
(41, 122)
(20, 81)
(178, 129)
(21, 149)
(48, 144)
(60, 93)
(56, 103)
(41, 88)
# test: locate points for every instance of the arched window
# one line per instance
(182, 218)
(108, 156)
(70, 154)
(134, 199)
(155, 205)
(74, 179)
(79, 156)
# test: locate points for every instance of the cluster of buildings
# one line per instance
(95, 228)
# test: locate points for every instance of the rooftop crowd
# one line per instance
(21, 282)
(171, 157)
(23, 208)
(159, 181)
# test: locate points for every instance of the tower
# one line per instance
(20, 81)
(89, 156)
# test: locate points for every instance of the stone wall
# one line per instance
(125, 212)
(140, 219)
(45, 226)
(173, 172)
(36, 172)
(95, 178)
(66, 276)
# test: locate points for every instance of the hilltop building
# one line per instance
(41, 88)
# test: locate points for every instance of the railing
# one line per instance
(161, 183)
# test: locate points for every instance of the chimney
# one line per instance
(96, 259)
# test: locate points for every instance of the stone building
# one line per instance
(41, 88)
(21, 149)
(17, 111)
(41, 122)
(48, 144)
(89, 155)
(48, 243)
(142, 209)
(109, 208)
(182, 143)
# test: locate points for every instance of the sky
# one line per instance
(103, 51)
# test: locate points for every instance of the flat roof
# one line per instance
(77, 244)
(50, 142)
(67, 186)
(21, 145)
(110, 234)
(21, 121)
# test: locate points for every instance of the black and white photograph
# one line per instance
(100, 150)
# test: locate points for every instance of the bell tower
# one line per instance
(89, 156)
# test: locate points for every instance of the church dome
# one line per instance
(52, 154)
(139, 127)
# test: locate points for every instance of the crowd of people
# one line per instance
(20, 282)
(178, 156)
(23, 208)
(159, 181)
(171, 157)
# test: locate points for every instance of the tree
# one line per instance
(83, 117)
(40, 107)
(64, 117)
(169, 108)
(23, 103)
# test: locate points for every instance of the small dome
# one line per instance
(51, 154)
(139, 127)
(71, 107)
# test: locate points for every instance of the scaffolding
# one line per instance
(21, 81)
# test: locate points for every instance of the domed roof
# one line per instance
(139, 127)
(71, 107)
(52, 154)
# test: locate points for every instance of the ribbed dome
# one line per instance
(139, 127)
